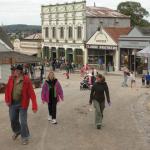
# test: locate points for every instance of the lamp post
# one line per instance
(134, 53)
(105, 71)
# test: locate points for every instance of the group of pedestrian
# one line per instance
(19, 91)
(128, 76)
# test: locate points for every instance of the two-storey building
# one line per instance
(67, 27)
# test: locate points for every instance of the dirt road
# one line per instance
(75, 129)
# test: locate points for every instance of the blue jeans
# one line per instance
(18, 118)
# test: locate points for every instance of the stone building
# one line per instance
(67, 27)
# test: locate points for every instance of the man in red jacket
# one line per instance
(18, 93)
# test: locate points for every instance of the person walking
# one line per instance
(41, 72)
(67, 70)
(97, 96)
(132, 79)
(52, 93)
(18, 92)
(125, 76)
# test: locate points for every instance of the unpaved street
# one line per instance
(122, 130)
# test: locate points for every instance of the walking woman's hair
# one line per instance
(101, 77)
(51, 75)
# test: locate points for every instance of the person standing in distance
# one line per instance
(18, 92)
(97, 96)
(52, 93)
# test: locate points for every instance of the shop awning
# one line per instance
(145, 52)
(12, 57)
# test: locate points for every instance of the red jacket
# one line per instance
(27, 93)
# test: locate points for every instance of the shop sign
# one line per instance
(107, 47)
(66, 45)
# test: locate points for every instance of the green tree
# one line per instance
(135, 11)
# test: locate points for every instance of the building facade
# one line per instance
(137, 39)
(103, 49)
(67, 27)
(5, 46)
(30, 45)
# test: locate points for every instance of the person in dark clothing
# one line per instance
(97, 96)
(93, 79)
(41, 72)
(143, 80)
(54, 64)
(52, 93)
(67, 70)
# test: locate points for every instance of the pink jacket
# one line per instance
(45, 92)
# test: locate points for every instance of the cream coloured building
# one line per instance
(67, 27)
(30, 45)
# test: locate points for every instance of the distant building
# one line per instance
(67, 27)
(102, 47)
(137, 39)
(5, 45)
(30, 45)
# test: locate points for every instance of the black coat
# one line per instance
(98, 92)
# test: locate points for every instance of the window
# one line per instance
(54, 32)
(79, 32)
(61, 32)
(70, 33)
(46, 32)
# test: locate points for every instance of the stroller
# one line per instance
(85, 83)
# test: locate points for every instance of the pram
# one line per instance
(85, 83)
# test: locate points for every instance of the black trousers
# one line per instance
(52, 108)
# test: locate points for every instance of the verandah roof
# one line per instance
(12, 57)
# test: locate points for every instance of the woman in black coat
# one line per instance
(97, 96)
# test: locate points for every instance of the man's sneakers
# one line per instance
(54, 121)
(15, 136)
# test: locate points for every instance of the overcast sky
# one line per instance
(28, 11)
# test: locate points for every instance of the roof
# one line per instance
(92, 11)
(4, 47)
(144, 30)
(116, 32)
(18, 57)
(36, 36)
(4, 37)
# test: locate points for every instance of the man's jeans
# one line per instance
(18, 118)
(99, 108)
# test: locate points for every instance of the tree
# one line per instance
(135, 11)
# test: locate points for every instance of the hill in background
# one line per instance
(22, 28)
(20, 31)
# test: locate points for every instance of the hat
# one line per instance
(12, 68)
(19, 67)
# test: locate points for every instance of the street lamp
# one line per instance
(105, 71)
(134, 53)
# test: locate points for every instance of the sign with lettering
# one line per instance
(66, 45)
(104, 47)
(102, 40)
